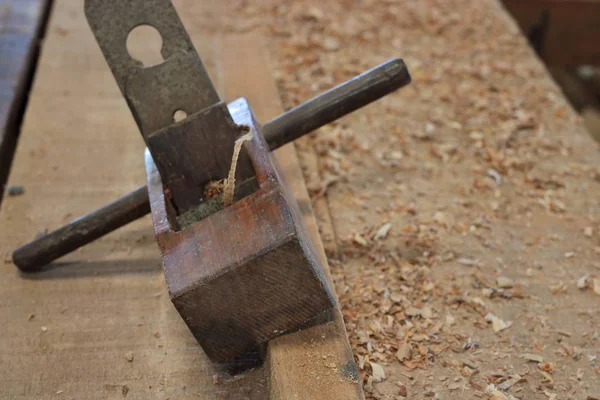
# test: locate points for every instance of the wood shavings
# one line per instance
(360, 240)
(495, 394)
(492, 173)
(427, 134)
(550, 395)
(546, 377)
(533, 357)
(404, 351)
(467, 261)
(510, 382)
(413, 311)
(382, 232)
(129, 356)
(547, 367)
(497, 324)
(582, 283)
(229, 185)
(504, 282)
(213, 189)
(378, 372)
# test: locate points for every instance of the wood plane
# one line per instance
(246, 273)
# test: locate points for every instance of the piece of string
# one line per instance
(230, 181)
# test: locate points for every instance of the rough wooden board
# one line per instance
(420, 160)
(79, 149)
(21, 26)
(315, 363)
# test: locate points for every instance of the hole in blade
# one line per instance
(179, 115)
(144, 44)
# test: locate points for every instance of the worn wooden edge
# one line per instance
(316, 362)
(22, 28)
(311, 164)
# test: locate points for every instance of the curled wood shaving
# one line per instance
(378, 372)
(382, 232)
(230, 181)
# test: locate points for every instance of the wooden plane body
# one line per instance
(247, 273)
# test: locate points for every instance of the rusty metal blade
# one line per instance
(156, 92)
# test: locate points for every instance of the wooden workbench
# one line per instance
(460, 214)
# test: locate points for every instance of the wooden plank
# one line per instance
(316, 362)
(22, 23)
(79, 149)
(565, 32)
(70, 329)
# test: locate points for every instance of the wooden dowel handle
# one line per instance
(337, 102)
(83, 230)
(315, 113)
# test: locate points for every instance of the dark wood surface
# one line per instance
(247, 273)
(564, 32)
(21, 25)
